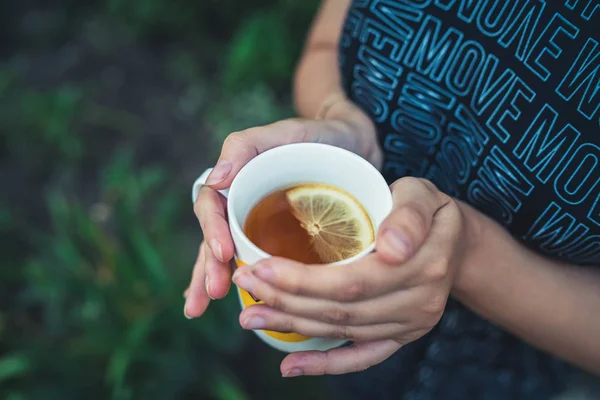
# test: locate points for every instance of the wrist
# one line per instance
(339, 107)
(489, 249)
(478, 249)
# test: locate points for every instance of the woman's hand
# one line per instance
(345, 126)
(380, 302)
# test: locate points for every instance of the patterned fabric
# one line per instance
(463, 358)
(498, 103)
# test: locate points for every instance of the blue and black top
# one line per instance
(498, 103)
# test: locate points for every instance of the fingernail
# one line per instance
(185, 312)
(398, 242)
(265, 272)
(293, 372)
(219, 172)
(236, 274)
(255, 322)
(215, 246)
(244, 281)
(207, 286)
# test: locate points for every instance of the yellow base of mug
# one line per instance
(248, 300)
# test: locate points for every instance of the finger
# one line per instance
(434, 259)
(210, 209)
(197, 299)
(365, 278)
(415, 203)
(383, 309)
(218, 276)
(343, 360)
(264, 317)
(241, 147)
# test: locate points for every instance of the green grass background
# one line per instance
(109, 109)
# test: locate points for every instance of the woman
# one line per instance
(485, 115)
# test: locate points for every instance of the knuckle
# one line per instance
(452, 207)
(344, 332)
(434, 307)
(437, 269)
(299, 281)
(427, 184)
(337, 314)
(403, 182)
(274, 300)
(234, 138)
(281, 323)
(447, 200)
(353, 290)
(415, 182)
(288, 325)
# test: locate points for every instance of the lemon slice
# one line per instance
(338, 225)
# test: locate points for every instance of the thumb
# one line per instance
(241, 147)
(415, 203)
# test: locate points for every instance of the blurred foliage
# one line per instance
(108, 110)
(267, 44)
(101, 297)
(256, 52)
(40, 123)
(231, 114)
(261, 39)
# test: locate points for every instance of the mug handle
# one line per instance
(201, 181)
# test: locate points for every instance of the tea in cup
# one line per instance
(310, 202)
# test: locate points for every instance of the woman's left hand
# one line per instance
(380, 302)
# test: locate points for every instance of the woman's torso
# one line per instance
(498, 103)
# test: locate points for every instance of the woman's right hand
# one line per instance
(345, 126)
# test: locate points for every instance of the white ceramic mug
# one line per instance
(288, 165)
